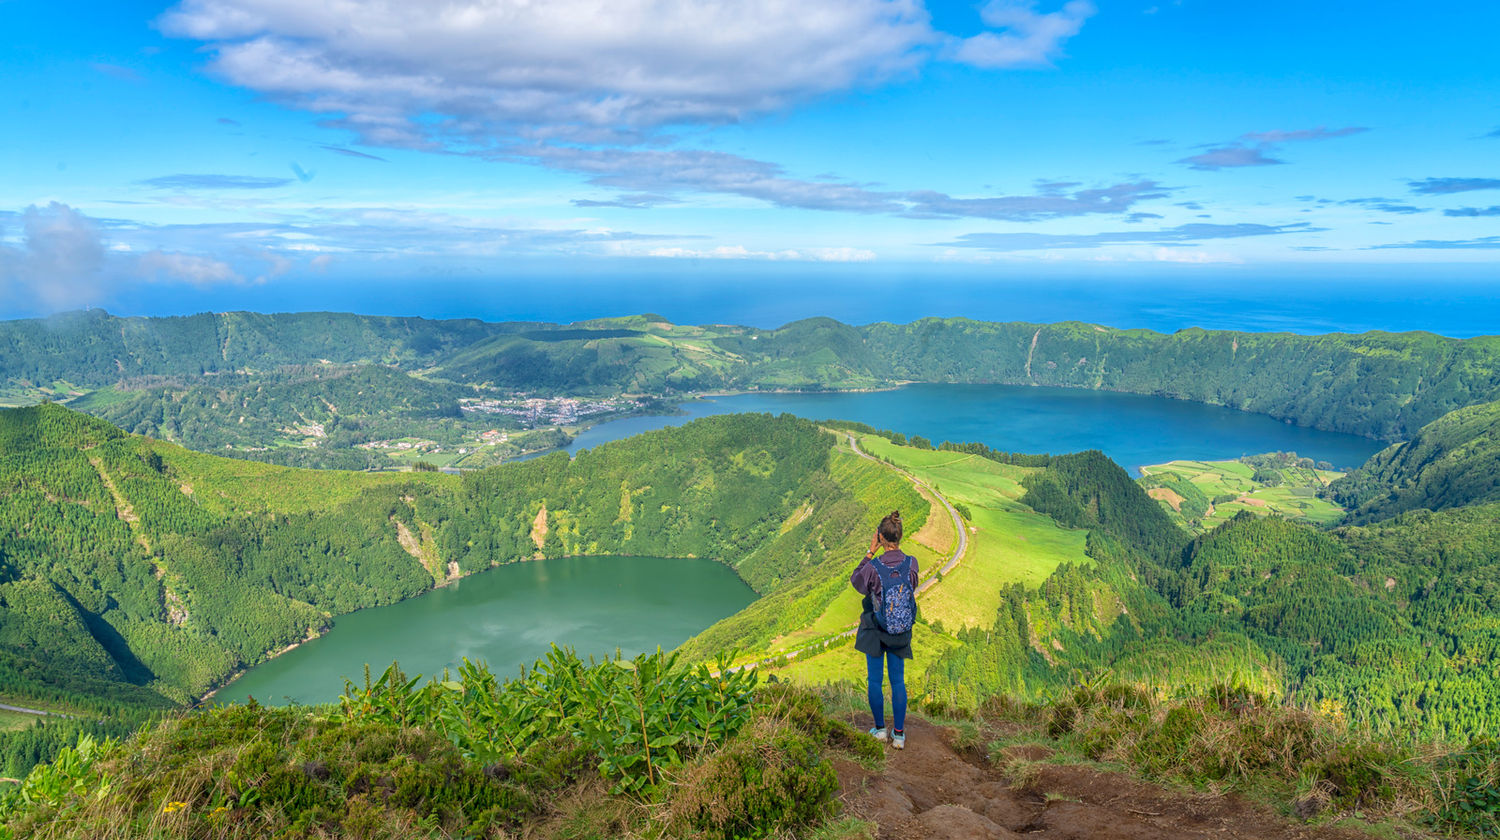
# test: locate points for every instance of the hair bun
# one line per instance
(896, 515)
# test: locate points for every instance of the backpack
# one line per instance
(898, 604)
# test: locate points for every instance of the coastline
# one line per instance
(239, 672)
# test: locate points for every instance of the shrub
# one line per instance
(1469, 790)
(769, 778)
(1359, 774)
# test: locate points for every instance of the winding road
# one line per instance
(958, 522)
(22, 709)
(958, 555)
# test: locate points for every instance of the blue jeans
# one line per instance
(897, 668)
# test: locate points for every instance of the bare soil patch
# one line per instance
(1167, 495)
(930, 791)
(539, 528)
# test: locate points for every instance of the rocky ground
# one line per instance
(930, 791)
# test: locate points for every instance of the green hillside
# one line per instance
(94, 349)
(140, 573)
(1203, 495)
(1382, 385)
(1392, 624)
(302, 417)
(134, 574)
(1450, 462)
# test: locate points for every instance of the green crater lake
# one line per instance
(506, 617)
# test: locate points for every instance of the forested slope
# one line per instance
(1392, 625)
(94, 348)
(143, 574)
(337, 407)
(1451, 462)
(1383, 385)
(1377, 384)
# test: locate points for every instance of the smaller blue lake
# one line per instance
(1132, 429)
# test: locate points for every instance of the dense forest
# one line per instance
(1391, 624)
(138, 574)
(1381, 385)
(1450, 462)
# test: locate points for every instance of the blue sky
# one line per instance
(586, 157)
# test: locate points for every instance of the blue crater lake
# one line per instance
(1132, 429)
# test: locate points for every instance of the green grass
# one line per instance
(225, 484)
(1009, 546)
(845, 664)
(1295, 498)
(1008, 541)
(11, 721)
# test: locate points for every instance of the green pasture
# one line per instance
(1008, 546)
(845, 664)
(1295, 498)
(1008, 541)
(11, 721)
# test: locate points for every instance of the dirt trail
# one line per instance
(929, 791)
(123, 509)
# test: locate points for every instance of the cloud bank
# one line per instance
(1252, 148)
(64, 261)
(1444, 186)
(596, 87)
(1188, 234)
(574, 70)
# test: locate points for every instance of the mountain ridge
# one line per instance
(1377, 384)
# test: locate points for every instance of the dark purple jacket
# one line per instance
(866, 581)
(869, 639)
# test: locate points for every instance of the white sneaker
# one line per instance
(878, 733)
(898, 740)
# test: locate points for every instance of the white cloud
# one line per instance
(1028, 38)
(64, 259)
(468, 74)
(566, 84)
(199, 271)
(1179, 255)
(843, 254)
(573, 69)
(58, 262)
(740, 252)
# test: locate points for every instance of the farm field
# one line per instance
(11, 721)
(1229, 487)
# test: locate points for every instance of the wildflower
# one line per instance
(173, 807)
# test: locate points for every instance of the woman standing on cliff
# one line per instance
(887, 577)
